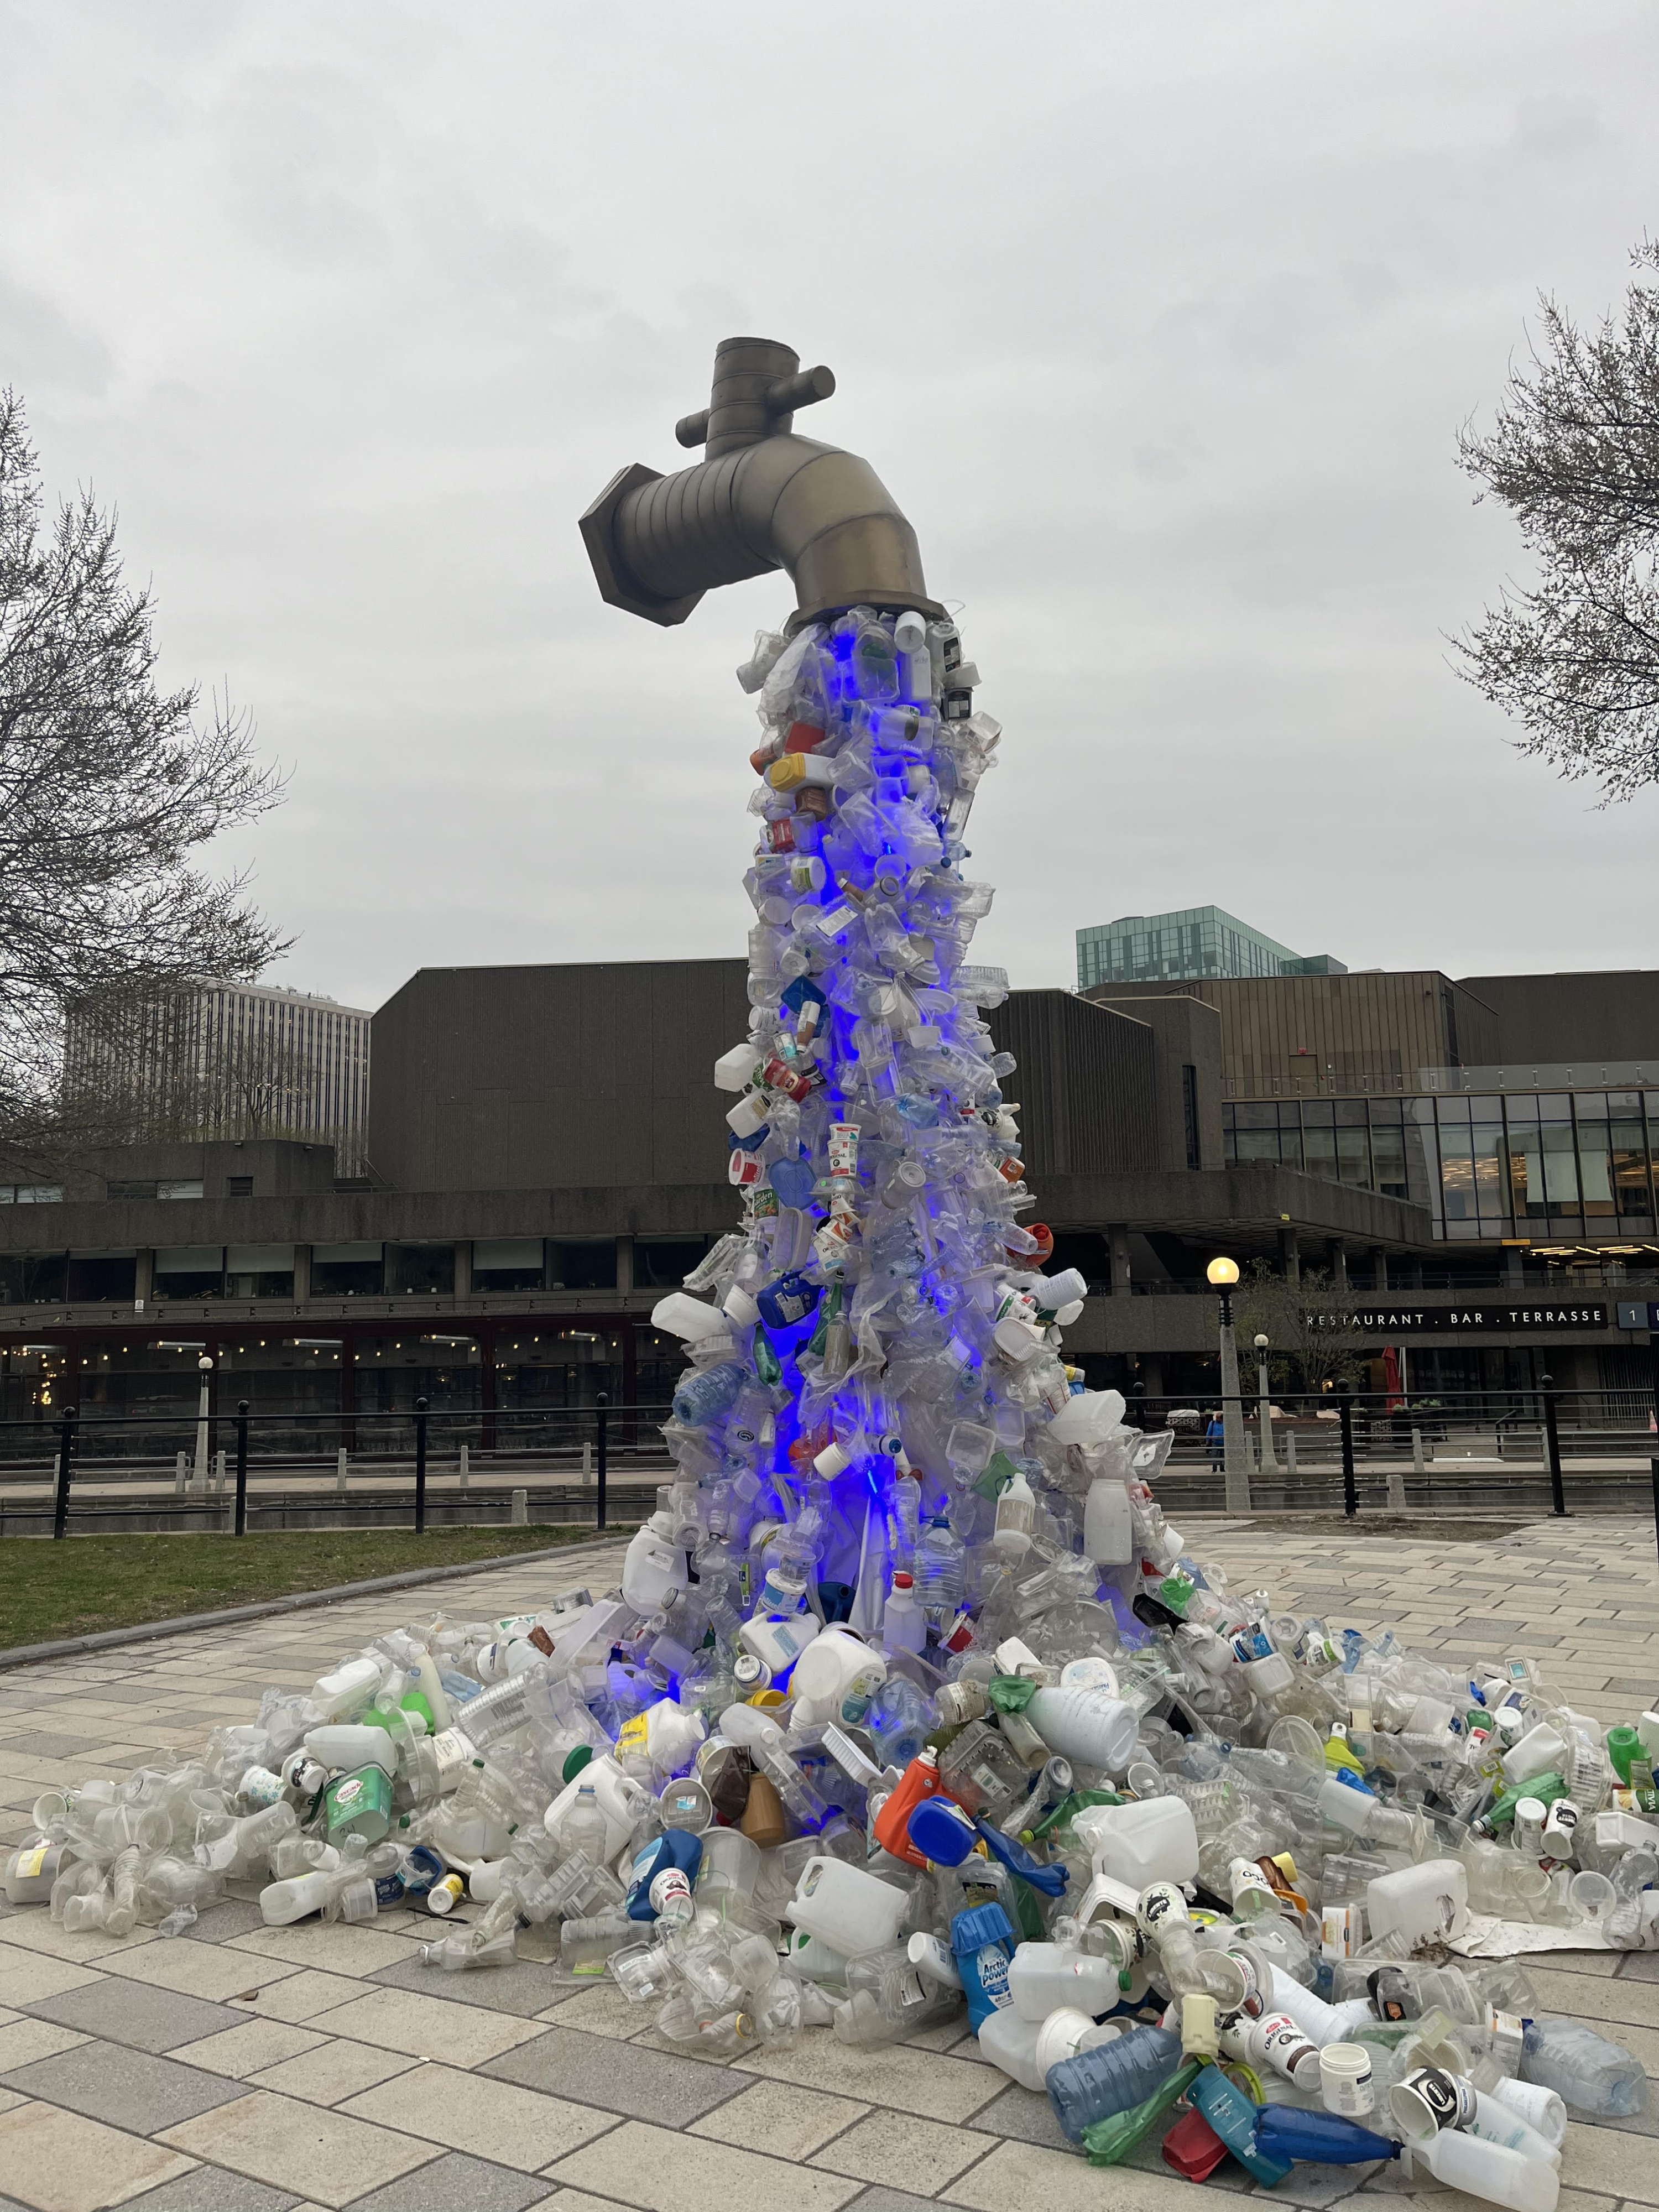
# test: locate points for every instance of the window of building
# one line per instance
(239, 1186)
(130, 1189)
(259, 1271)
(420, 1270)
(93, 1277)
(179, 1187)
(190, 1271)
(1189, 1114)
(507, 1263)
(347, 1271)
(662, 1263)
(581, 1266)
(33, 1193)
(32, 1278)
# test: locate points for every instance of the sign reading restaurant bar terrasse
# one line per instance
(1439, 1321)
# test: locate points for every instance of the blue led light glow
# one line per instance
(890, 1178)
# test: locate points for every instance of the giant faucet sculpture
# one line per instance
(877, 1420)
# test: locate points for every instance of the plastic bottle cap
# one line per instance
(902, 1582)
(576, 1761)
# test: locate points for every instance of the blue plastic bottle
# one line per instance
(1112, 2078)
(982, 1940)
(677, 1849)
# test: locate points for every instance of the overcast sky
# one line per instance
(1158, 322)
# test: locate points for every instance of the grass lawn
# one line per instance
(90, 1583)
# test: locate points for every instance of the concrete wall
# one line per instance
(549, 1077)
(1185, 1033)
(1611, 1014)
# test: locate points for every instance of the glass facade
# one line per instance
(1186, 946)
(1518, 1163)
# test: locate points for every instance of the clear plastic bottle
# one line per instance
(939, 1567)
(1587, 2071)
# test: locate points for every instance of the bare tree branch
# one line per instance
(1574, 452)
(107, 786)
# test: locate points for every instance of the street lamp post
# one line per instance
(1266, 1455)
(204, 1367)
(1223, 1273)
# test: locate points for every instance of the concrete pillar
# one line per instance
(1289, 1255)
(1117, 1245)
(143, 1280)
(1151, 1372)
(1380, 1271)
(624, 1264)
(302, 1274)
(463, 1268)
(1515, 1268)
(1336, 1263)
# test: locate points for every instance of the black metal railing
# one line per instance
(255, 1468)
(1484, 1451)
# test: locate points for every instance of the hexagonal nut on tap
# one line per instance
(616, 585)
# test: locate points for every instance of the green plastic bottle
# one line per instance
(1500, 1813)
(1623, 1744)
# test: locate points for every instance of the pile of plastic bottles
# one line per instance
(910, 1701)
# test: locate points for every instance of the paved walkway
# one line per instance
(247, 2070)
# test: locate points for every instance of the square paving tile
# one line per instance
(888, 2145)
(456, 2183)
(210, 2188)
(195, 1969)
(297, 1997)
(920, 2081)
(661, 2171)
(427, 2025)
(57, 2162)
(23, 2041)
(236, 2052)
(25, 1978)
(470, 2112)
(300, 2147)
(129, 2089)
(526, 1989)
(619, 2077)
(1020, 2177)
(332, 1947)
(334, 2071)
(131, 2012)
(779, 2119)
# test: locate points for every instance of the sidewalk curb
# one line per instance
(151, 1631)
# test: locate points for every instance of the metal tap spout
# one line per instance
(761, 498)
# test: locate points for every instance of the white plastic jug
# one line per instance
(343, 1746)
(652, 1569)
(1155, 1839)
(1109, 1535)
(1424, 1903)
(1087, 1726)
(619, 1799)
(347, 1689)
(854, 1912)
(836, 1677)
(686, 1317)
(1043, 1977)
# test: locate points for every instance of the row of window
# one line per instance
(344, 1271)
(1574, 1158)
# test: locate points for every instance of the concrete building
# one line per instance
(233, 1059)
(546, 1156)
(1194, 942)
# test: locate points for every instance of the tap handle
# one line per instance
(805, 389)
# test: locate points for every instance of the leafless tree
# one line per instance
(1574, 453)
(1309, 1324)
(261, 1076)
(107, 786)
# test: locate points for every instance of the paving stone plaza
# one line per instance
(241, 2068)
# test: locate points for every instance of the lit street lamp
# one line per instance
(1223, 1273)
(204, 1367)
(1266, 1456)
